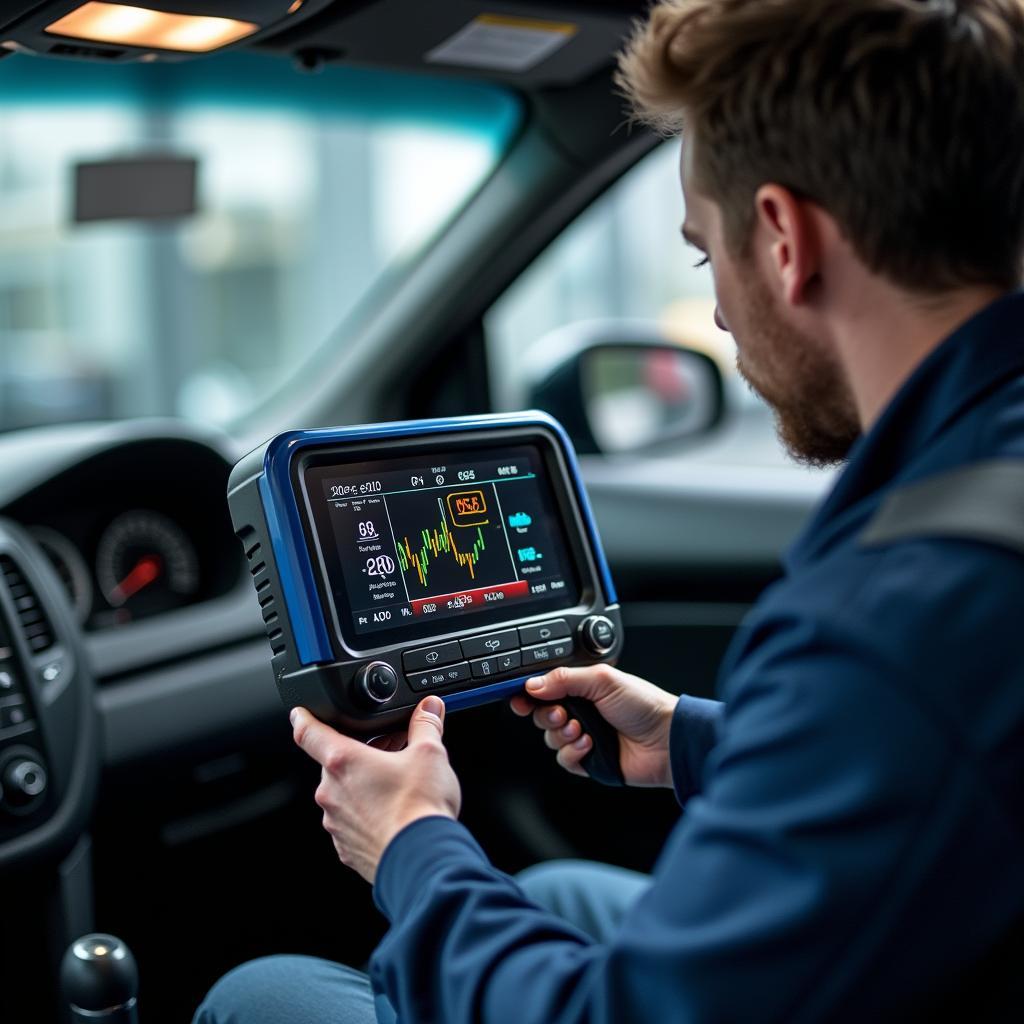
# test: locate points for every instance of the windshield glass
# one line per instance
(311, 194)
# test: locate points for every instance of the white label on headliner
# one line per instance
(502, 43)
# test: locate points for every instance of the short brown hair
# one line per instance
(904, 119)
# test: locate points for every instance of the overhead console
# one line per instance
(534, 45)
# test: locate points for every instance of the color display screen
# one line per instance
(410, 541)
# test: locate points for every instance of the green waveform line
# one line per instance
(437, 542)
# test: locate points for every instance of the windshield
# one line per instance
(310, 193)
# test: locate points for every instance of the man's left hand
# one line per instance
(368, 794)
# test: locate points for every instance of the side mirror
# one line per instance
(625, 387)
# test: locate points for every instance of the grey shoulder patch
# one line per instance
(983, 501)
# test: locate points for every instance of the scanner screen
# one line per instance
(473, 534)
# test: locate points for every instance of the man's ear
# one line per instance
(794, 246)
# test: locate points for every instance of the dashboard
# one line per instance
(134, 522)
(135, 531)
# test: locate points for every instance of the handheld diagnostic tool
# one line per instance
(456, 557)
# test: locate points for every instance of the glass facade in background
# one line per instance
(311, 192)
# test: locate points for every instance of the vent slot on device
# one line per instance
(264, 592)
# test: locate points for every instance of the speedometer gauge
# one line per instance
(145, 564)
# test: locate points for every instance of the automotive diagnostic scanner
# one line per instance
(455, 556)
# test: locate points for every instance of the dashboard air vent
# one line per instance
(34, 623)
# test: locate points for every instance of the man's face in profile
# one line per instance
(796, 373)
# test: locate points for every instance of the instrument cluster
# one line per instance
(144, 564)
(136, 532)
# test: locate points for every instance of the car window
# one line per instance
(312, 192)
(624, 259)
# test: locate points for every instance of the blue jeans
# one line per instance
(304, 990)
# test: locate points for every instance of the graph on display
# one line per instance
(437, 543)
(449, 541)
(457, 537)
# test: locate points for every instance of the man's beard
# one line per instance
(815, 414)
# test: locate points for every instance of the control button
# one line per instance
(598, 634)
(24, 783)
(432, 657)
(542, 632)
(7, 683)
(376, 683)
(52, 671)
(12, 714)
(440, 676)
(541, 653)
(492, 643)
(496, 666)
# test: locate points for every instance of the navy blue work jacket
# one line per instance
(852, 841)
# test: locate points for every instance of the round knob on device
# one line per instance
(100, 980)
(23, 783)
(599, 634)
(376, 683)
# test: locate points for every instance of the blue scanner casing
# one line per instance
(319, 664)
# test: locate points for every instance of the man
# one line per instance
(852, 841)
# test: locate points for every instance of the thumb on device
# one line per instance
(427, 722)
(589, 682)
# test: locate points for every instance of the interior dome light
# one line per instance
(138, 26)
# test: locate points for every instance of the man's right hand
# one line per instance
(639, 711)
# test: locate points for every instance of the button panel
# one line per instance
(541, 654)
(484, 668)
(440, 676)
(489, 655)
(432, 657)
(542, 632)
(22, 769)
(491, 643)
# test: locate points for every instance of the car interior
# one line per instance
(220, 221)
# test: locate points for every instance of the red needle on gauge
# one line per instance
(146, 570)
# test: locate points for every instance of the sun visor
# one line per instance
(528, 45)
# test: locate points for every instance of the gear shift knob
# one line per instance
(100, 981)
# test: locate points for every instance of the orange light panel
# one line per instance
(139, 26)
